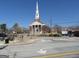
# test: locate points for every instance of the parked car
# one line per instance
(76, 33)
(3, 36)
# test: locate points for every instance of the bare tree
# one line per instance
(17, 28)
(57, 28)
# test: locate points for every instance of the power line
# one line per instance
(76, 22)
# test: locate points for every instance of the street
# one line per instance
(42, 47)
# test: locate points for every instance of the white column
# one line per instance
(38, 28)
(41, 29)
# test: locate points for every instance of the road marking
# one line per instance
(59, 55)
(42, 51)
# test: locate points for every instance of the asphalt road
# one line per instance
(41, 47)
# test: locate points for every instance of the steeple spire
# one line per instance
(37, 18)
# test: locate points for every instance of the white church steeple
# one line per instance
(36, 27)
(37, 17)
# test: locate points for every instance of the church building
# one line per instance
(37, 27)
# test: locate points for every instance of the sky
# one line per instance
(60, 12)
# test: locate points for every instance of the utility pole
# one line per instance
(50, 22)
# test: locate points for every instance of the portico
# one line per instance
(36, 27)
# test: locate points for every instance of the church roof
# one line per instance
(37, 23)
